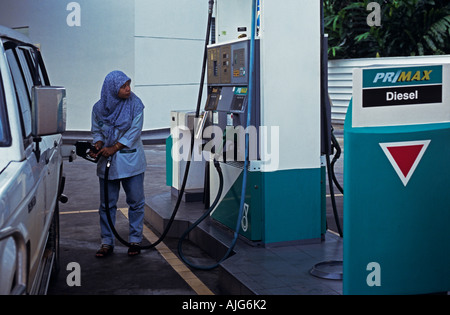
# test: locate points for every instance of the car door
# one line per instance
(33, 178)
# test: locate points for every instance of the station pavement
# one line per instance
(251, 270)
(154, 272)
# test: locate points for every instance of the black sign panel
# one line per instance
(410, 95)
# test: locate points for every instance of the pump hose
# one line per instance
(246, 162)
(317, 270)
(196, 223)
(188, 163)
(336, 157)
(333, 199)
(332, 179)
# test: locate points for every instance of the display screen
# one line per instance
(213, 98)
(238, 103)
(239, 98)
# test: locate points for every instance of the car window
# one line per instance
(22, 90)
(26, 69)
(31, 56)
(5, 137)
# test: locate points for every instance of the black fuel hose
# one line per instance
(196, 223)
(331, 179)
(188, 163)
(336, 157)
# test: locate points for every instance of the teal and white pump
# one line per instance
(396, 174)
(283, 191)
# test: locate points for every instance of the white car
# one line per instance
(32, 118)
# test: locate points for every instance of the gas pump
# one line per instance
(396, 201)
(227, 110)
(283, 189)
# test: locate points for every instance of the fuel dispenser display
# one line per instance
(396, 171)
(228, 80)
(227, 110)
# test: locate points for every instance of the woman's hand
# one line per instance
(98, 145)
(107, 151)
(110, 151)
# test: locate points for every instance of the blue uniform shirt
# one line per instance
(129, 161)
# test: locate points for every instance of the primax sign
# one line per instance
(402, 86)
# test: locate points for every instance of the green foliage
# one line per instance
(408, 28)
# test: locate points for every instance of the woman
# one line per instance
(117, 120)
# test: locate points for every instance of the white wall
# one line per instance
(78, 57)
(169, 43)
(158, 43)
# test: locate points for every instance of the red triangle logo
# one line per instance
(405, 156)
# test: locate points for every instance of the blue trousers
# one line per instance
(134, 190)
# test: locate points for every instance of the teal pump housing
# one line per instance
(396, 182)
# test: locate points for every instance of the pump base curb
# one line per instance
(253, 269)
(208, 236)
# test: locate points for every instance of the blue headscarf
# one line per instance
(114, 111)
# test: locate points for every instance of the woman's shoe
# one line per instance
(134, 249)
(104, 251)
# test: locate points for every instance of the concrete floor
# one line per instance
(251, 270)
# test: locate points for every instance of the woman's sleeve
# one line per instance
(96, 129)
(133, 134)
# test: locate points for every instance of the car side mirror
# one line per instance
(48, 110)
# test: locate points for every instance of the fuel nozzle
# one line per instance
(84, 148)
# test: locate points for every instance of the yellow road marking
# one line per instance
(333, 232)
(336, 195)
(191, 279)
